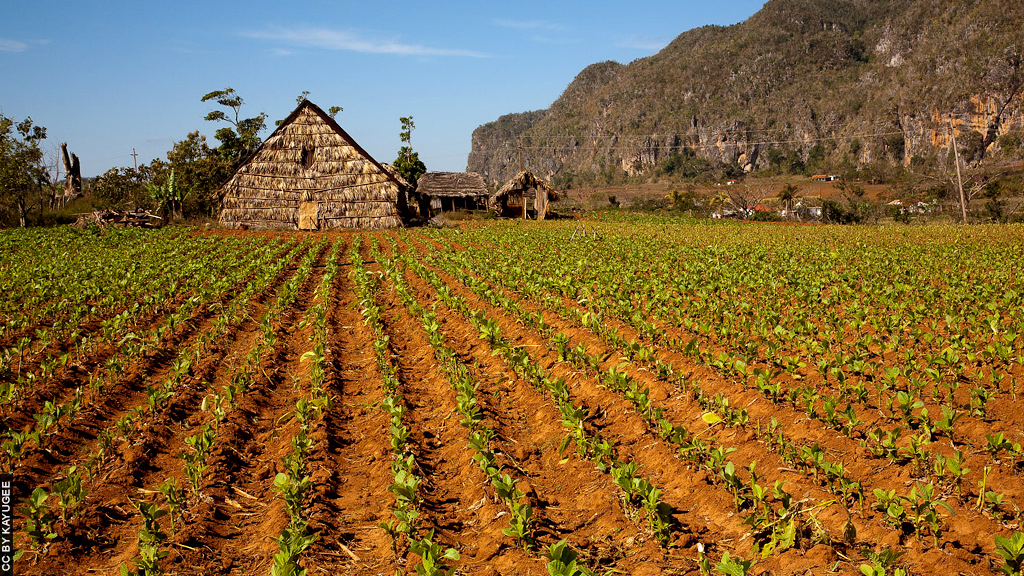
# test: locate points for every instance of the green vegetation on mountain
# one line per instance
(859, 87)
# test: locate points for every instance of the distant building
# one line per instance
(450, 191)
(522, 196)
(824, 178)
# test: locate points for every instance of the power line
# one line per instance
(107, 158)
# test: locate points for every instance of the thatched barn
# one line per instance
(449, 191)
(398, 177)
(311, 175)
(523, 195)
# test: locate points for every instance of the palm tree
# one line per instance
(787, 194)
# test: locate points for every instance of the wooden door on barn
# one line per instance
(308, 218)
(540, 204)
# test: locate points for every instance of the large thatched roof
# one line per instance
(311, 174)
(522, 182)
(451, 184)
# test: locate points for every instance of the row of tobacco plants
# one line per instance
(895, 362)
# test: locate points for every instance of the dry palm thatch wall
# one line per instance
(310, 174)
(404, 184)
(516, 190)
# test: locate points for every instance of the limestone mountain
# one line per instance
(801, 85)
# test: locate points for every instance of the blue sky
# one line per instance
(111, 76)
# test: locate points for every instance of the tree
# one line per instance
(200, 169)
(684, 201)
(858, 207)
(832, 212)
(994, 206)
(239, 142)
(22, 170)
(53, 191)
(73, 179)
(302, 97)
(124, 187)
(746, 196)
(407, 127)
(787, 194)
(408, 162)
(717, 203)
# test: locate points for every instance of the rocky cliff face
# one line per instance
(837, 84)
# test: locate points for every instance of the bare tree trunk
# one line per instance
(73, 169)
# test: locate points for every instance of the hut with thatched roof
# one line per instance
(523, 195)
(311, 175)
(450, 191)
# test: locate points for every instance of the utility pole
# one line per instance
(135, 158)
(959, 180)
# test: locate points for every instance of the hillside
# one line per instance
(802, 85)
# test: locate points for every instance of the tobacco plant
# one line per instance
(150, 542)
(39, 520)
(1012, 551)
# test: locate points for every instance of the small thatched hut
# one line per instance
(522, 195)
(311, 175)
(449, 191)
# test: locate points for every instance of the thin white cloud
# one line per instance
(328, 39)
(528, 25)
(644, 43)
(8, 45)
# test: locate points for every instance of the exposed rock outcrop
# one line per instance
(840, 82)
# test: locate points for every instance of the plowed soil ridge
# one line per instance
(62, 385)
(571, 498)
(499, 307)
(139, 466)
(749, 451)
(350, 462)
(973, 530)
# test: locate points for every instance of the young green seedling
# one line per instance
(1012, 551)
